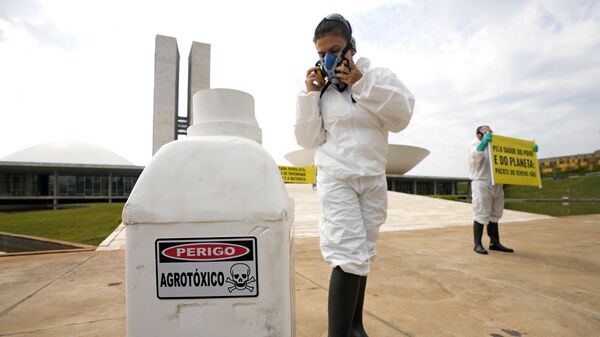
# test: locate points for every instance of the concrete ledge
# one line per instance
(115, 241)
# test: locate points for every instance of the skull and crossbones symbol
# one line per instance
(240, 273)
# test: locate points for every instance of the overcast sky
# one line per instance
(83, 70)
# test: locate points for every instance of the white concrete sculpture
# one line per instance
(400, 158)
(209, 231)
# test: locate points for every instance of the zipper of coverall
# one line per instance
(353, 117)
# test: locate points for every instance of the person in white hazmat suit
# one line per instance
(345, 114)
(487, 199)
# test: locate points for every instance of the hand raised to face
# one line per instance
(314, 79)
(348, 72)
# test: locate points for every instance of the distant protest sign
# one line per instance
(513, 162)
(299, 174)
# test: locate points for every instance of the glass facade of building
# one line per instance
(17, 185)
(424, 185)
(75, 185)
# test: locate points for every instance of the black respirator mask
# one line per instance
(328, 65)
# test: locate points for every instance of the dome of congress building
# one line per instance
(68, 152)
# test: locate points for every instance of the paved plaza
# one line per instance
(426, 282)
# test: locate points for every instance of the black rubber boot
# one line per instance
(343, 293)
(477, 234)
(358, 329)
(492, 230)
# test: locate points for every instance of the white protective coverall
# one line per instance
(351, 145)
(488, 199)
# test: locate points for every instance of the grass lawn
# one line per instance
(88, 223)
(574, 188)
(555, 208)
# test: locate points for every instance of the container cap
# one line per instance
(224, 112)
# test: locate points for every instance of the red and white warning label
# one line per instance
(206, 267)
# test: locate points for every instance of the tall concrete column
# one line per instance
(415, 187)
(198, 73)
(166, 91)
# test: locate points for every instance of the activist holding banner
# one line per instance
(345, 114)
(487, 199)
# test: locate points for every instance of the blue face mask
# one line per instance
(328, 65)
(330, 62)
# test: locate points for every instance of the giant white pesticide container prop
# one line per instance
(208, 230)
